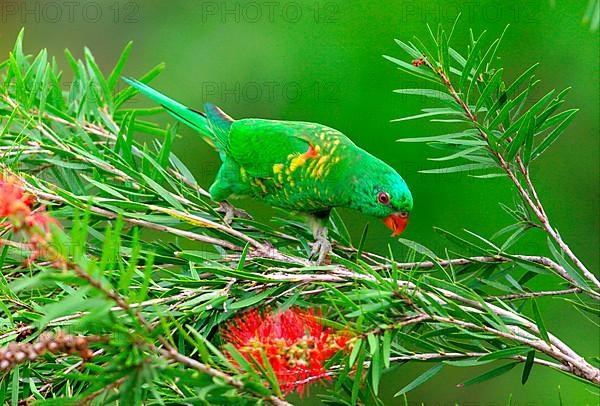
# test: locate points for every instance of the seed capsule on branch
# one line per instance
(295, 343)
(15, 353)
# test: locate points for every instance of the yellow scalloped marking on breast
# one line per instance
(297, 162)
(319, 167)
(277, 168)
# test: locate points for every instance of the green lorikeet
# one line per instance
(304, 167)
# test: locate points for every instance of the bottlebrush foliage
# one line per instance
(119, 269)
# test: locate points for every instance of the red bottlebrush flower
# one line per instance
(295, 342)
(17, 206)
(40, 221)
(14, 202)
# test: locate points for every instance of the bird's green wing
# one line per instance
(257, 145)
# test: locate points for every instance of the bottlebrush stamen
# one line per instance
(16, 205)
(295, 343)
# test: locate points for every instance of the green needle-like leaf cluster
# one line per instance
(143, 260)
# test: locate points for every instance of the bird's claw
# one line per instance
(321, 247)
(231, 212)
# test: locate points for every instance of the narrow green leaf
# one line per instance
(528, 74)
(489, 89)
(488, 375)
(485, 62)
(420, 72)
(553, 136)
(575, 276)
(242, 261)
(387, 347)
(412, 51)
(527, 367)
(356, 349)
(457, 57)
(456, 155)
(519, 140)
(105, 187)
(480, 69)
(459, 168)
(491, 59)
(505, 353)
(376, 366)
(470, 133)
(252, 300)
(499, 103)
(554, 104)
(115, 75)
(461, 242)
(529, 134)
(424, 377)
(539, 321)
(148, 270)
(430, 93)
(163, 193)
(15, 385)
(270, 373)
(471, 60)
(356, 385)
(98, 76)
(361, 243)
(339, 226)
(429, 113)
(241, 360)
(444, 58)
(421, 249)
(412, 339)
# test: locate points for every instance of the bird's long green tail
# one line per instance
(192, 118)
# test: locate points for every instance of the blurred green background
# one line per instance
(321, 61)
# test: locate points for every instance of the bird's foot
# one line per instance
(231, 212)
(321, 247)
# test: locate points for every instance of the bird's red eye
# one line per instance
(383, 198)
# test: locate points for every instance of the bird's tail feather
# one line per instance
(192, 118)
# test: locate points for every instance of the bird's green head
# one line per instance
(381, 192)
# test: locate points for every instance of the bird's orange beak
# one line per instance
(396, 222)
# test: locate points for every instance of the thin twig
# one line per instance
(424, 357)
(537, 294)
